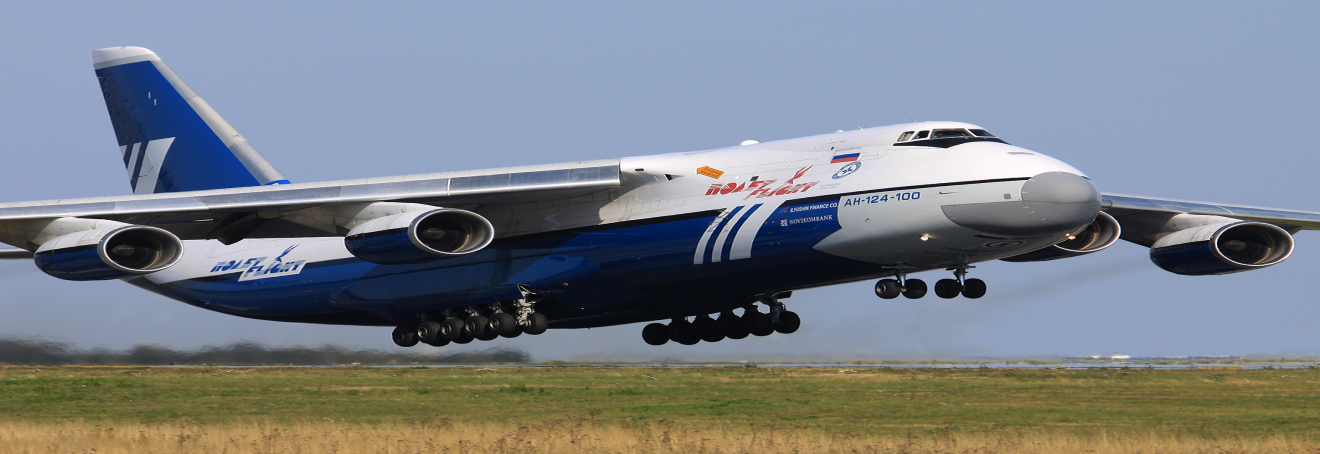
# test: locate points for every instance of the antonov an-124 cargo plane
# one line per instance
(688, 238)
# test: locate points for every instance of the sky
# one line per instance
(1209, 101)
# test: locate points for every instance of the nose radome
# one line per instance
(1052, 202)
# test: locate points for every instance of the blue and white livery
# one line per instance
(691, 238)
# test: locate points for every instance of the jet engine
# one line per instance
(1222, 248)
(1100, 234)
(109, 253)
(419, 236)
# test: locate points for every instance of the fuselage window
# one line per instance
(923, 135)
(981, 133)
(906, 135)
(950, 134)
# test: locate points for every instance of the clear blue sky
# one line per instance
(1195, 100)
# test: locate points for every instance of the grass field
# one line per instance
(711, 409)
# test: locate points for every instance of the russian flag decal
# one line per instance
(845, 157)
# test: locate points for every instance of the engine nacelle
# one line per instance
(109, 253)
(419, 236)
(1222, 248)
(1103, 232)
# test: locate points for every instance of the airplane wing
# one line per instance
(1127, 205)
(199, 214)
(1143, 217)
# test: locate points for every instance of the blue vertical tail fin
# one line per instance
(170, 139)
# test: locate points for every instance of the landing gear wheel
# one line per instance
(451, 329)
(789, 322)
(428, 332)
(655, 334)
(404, 337)
(733, 326)
(947, 288)
(517, 331)
(681, 331)
(439, 342)
(915, 288)
(708, 329)
(759, 324)
(464, 338)
(475, 326)
(974, 289)
(536, 324)
(488, 335)
(502, 323)
(887, 289)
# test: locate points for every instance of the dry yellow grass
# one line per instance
(336, 438)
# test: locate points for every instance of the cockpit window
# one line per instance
(923, 135)
(981, 133)
(906, 135)
(950, 134)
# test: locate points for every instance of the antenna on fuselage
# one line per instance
(914, 119)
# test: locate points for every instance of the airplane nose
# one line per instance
(1052, 202)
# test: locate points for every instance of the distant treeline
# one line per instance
(48, 353)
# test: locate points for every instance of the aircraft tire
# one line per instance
(733, 326)
(463, 339)
(655, 334)
(708, 330)
(404, 337)
(476, 326)
(502, 323)
(451, 328)
(759, 324)
(428, 332)
(789, 322)
(536, 324)
(517, 331)
(887, 289)
(681, 331)
(439, 342)
(915, 289)
(947, 288)
(488, 335)
(974, 289)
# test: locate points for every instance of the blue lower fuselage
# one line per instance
(601, 275)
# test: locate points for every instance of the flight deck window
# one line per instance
(950, 134)
(923, 134)
(981, 133)
(906, 135)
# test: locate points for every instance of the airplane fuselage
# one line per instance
(687, 233)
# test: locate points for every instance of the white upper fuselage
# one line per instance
(895, 199)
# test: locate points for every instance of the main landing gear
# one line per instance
(944, 288)
(481, 322)
(753, 322)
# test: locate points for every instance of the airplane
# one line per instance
(689, 238)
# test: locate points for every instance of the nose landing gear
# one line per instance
(944, 288)
(969, 288)
(891, 288)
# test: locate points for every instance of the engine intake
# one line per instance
(1101, 233)
(109, 253)
(420, 236)
(1222, 248)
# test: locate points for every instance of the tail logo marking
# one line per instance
(143, 162)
